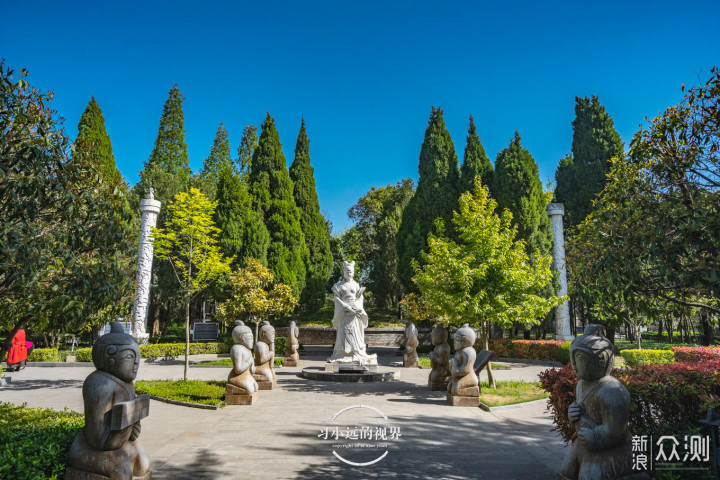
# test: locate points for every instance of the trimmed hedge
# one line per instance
(696, 354)
(178, 349)
(280, 346)
(34, 441)
(44, 355)
(83, 354)
(549, 350)
(634, 357)
(666, 399)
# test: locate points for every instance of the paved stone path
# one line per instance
(277, 438)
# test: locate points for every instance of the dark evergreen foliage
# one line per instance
(93, 143)
(314, 227)
(272, 193)
(475, 162)
(436, 196)
(215, 164)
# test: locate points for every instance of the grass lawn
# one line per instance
(510, 393)
(424, 361)
(194, 391)
(623, 344)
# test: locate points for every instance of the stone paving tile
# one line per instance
(277, 437)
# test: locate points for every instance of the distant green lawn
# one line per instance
(510, 393)
(424, 361)
(193, 391)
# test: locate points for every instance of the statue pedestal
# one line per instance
(237, 396)
(410, 363)
(469, 399)
(290, 362)
(75, 474)
(350, 367)
(264, 384)
(438, 386)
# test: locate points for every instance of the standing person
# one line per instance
(17, 355)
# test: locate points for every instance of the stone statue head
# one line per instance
(439, 335)
(242, 335)
(592, 355)
(410, 329)
(267, 333)
(348, 270)
(464, 337)
(117, 353)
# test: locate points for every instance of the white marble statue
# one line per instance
(350, 321)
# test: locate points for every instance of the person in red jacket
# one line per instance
(17, 355)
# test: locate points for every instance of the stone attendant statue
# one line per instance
(292, 357)
(439, 360)
(410, 359)
(107, 446)
(241, 388)
(463, 390)
(265, 357)
(602, 449)
(350, 321)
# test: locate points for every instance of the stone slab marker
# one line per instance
(149, 208)
(562, 312)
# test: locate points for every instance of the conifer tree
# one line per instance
(214, 165)
(595, 142)
(242, 232)
(517, 188)
(93, 143)
(170, 151)
(475, 162)
(313, 224)
(272, 194)
(435, 198)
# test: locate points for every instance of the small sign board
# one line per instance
(205, 330)
(482, 359)
(125, 414)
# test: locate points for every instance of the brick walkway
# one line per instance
(277, 438)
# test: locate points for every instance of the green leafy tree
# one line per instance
(256, 296)
(245, 151)
(595, 142)
(652, 241)
(242, 232)
(435, 197)
(313, 224)
(486, 276)
(63, 226)
(272, 192)
(218, 161)
(475, 162)
(189, 243)
(93, 143)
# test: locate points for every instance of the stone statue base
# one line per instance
(438, 386)
(468, 399)
(75, 474)
(339, 366)
(238, 396)
(411, 363)
(264, 384)
(290, 362)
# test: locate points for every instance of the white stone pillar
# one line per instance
(149, 208)
(562, 312)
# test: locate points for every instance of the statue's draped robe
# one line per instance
(350, 337)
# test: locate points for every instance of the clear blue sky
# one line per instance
(363, 74)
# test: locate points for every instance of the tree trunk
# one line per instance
(187, 338)
(611, 334)
(486, 343)
(660, 330)
(526, 334)
(707, 335)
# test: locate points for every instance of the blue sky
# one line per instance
(364, 75)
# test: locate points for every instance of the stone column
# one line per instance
(149, 208)
(562, 312)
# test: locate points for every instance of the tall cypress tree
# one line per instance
(93, 143)
(170, 151)
(595, 142)
(475, 162)
(272, 193)
(243, 234)
(215, 164)
(435, 198)
(313, 224)
(517, 188)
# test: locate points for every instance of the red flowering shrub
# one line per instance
(537, 349)
(696, 354)
(501, 347)
(666, 399)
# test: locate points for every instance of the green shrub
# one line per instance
(44, 355)
(279, 361)
(549, 350)
(563, 353)
(280, 346)
(34, 441)
(502, 347)
(83, 354)
(194, 391)
(178, 349)
(634, 358)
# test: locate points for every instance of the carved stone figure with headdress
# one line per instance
(463, 390)
(292, 357)
(439, 360)
(265, 357)
(241, 388)
(410, 358)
